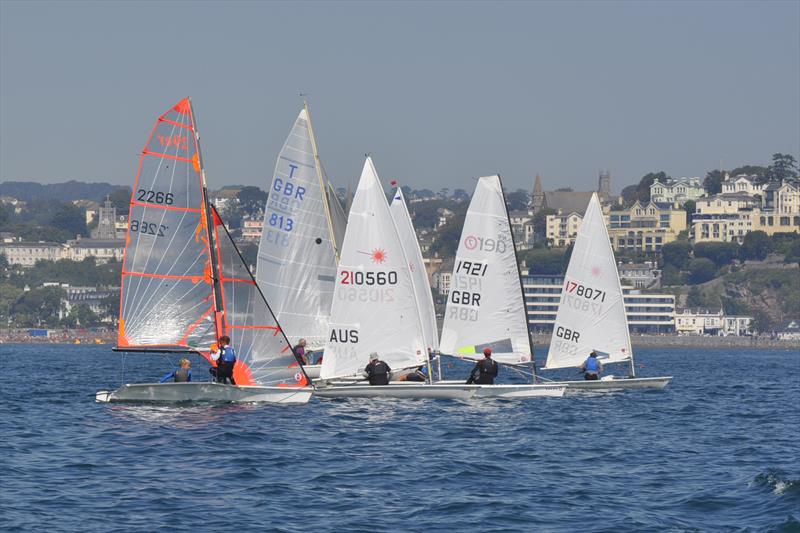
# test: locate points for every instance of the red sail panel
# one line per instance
(167, 297)
(264, 354)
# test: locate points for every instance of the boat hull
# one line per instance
(528, 390)
(616, 384)
(398, 390)
(204, 392)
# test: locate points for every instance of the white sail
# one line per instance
(296, 258)
(485, 307)
(374, 306)
(591, 314)
(422, 288)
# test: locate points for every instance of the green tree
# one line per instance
(5, 217)
(690, 206)
(517, 200)
(447, 236)
(38, 307)
(552, 261)
(721, 253)
(671, 276)
(793, 253)
(540, 221)
(713, 181)
(783, 167)
(641, 191)
(701, 270)
(70, 218)
(756, 245)
(677, 254)
(121, 198)
(252, 199)
(750, 170)
(762, 322)
(694, 298)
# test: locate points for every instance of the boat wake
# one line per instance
(778, 482)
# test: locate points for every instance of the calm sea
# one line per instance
(718, 450)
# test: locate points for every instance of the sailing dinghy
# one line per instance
(485, 307)
(184, 283)
(591, 313)
(303, 229)
(375, 306)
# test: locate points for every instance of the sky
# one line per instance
(437, 92)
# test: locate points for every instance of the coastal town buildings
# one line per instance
(644, 275)
(711, 322)
(741, 184)
(26, 254)
(251, 229)
(676, 191)
(522, 227)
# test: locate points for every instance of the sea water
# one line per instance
(717, 450)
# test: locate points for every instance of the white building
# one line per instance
(741, 184)
(26, 254)
(251, 229)
(641, 275)
(103, 250)
(646, 313)
(678, 191)
(737, 325)
(522, 226)
(699, 321)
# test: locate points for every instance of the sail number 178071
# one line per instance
(584, 291)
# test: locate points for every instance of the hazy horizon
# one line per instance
(437, 92)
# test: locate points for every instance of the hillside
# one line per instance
(67, 191)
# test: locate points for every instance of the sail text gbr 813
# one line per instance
(184, 283)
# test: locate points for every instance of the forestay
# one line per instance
(591, 313)
(264, 354)
(419, 276)
(166, 298)
(296, 257)
(374, 307)
(485, 307)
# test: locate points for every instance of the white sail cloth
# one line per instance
(374, 306)
(296, 258)
(485, 307)
(419, 276)
(591, 313)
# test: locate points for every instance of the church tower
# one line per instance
(537, 198)
(604, 186)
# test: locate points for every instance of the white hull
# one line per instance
(539, 390)
(398, 390)
(204, 392)
(312, 371)
(616, 384)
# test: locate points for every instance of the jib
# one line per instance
(344, 335)
(567, 334)
(465, 298)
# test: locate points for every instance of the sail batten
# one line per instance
(591, 312)
(485, 308)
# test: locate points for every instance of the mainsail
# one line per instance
(374, 306)
(485, 308)
(419, 276)
(184, 285)
(297, 255)
(591, 313)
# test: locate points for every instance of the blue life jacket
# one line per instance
(227, 355)
(592, 365)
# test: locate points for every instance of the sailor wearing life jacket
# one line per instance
(377, 371)
(181, 375)
(485, 370)
(592, 367)
(225, 358)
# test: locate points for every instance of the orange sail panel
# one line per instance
(167, 297)
(264, 354)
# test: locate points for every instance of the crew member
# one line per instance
(416, 375)
(225, 358)
(300, 352)
(181, 375)
(377, 371)
(592, 367)
(485, 370)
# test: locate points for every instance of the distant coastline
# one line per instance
(109, 337)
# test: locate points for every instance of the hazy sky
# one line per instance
(436, 92)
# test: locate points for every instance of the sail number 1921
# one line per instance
(586, 292)
(471, 268)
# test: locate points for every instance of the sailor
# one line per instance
(181, 375)
(592, 367)
(300, 352)
(225, 358)
(416, 375)
(485, 370)
(377, 371)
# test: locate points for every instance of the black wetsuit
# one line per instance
(484, 372)
(378, 373)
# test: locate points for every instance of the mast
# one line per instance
(322, 184)
(213, 255)
(519, 278)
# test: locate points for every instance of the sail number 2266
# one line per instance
(584, 291)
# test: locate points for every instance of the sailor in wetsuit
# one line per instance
(377, 371)
(300, 352)
(592, 367)
(484, 371)
(182, 375)
(225, 358)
